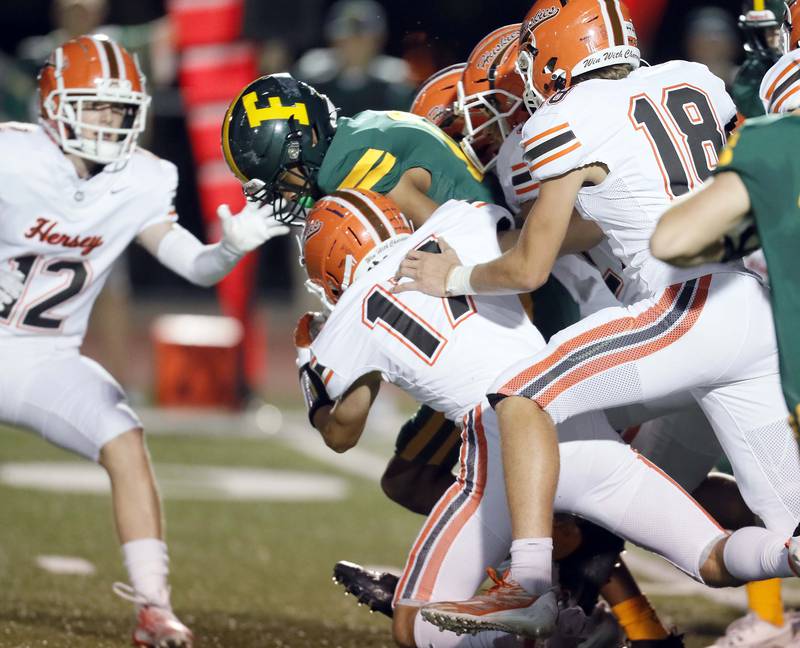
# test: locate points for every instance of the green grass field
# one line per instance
(244, 573)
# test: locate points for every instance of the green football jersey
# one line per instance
(763, 153)
(373, 149)
(747, 84)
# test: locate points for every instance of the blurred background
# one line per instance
(197, 54)
(258, 509)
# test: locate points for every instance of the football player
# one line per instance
(619, 143)
(436, 350)
(751, 211)
(765, 27)
(435, 100)
(279, 134)
(768, 621)
(75, 192)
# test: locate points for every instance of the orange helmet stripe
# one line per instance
(113, 65)
(364, 212)
(378, 211)
(102, 56)
(613, 17)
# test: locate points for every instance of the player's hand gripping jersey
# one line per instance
(657, 132)
(63, 233)
(373, 150)
(432, 348)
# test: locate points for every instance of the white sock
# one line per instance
(147, 563)
(427, 635)
(532, 564)
(752, 554)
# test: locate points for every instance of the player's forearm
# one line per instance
(203, 265)
(513, 272)
(339, 435)
(342, 423)
(685, 236)
(691, 230)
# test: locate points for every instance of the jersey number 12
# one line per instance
(34, 315)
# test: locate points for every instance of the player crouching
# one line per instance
(74, 193)
(445, 352)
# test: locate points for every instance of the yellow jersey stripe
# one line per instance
(360, 169)
(374, 176)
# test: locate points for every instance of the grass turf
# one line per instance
(244, 574)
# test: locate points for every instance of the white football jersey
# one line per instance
(444, 352)
(63, 233)
(657, 132)
(588, 277)
(513, 174)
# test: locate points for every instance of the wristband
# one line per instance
(314, 392)
(458, 281)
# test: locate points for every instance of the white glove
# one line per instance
(12, 283)
(250, 228)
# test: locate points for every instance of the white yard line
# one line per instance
(292, 429)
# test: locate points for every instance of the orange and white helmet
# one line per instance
(562, 39)
(92, 70)
(436, 100)
(346, 234)
(490, 96)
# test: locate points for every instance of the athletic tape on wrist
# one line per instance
(458, 281)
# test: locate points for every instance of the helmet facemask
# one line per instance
(486, 123)
(290, 210)
(532, 98)
(767, 32)
(64, 117)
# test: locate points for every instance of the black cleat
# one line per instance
(371, 588)
(673, 641)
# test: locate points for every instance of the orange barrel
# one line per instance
(196, 361)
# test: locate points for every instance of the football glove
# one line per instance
(12, 283)
(251, 227)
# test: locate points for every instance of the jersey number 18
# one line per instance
(684, 134)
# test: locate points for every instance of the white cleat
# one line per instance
(156, 626)
(753, 632)
(505, 607)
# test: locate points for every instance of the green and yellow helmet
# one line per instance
(274, 138)
(765, 26)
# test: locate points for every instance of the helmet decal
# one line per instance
(541, 16)
(274, 139)
(276, 110)
(489, 96)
